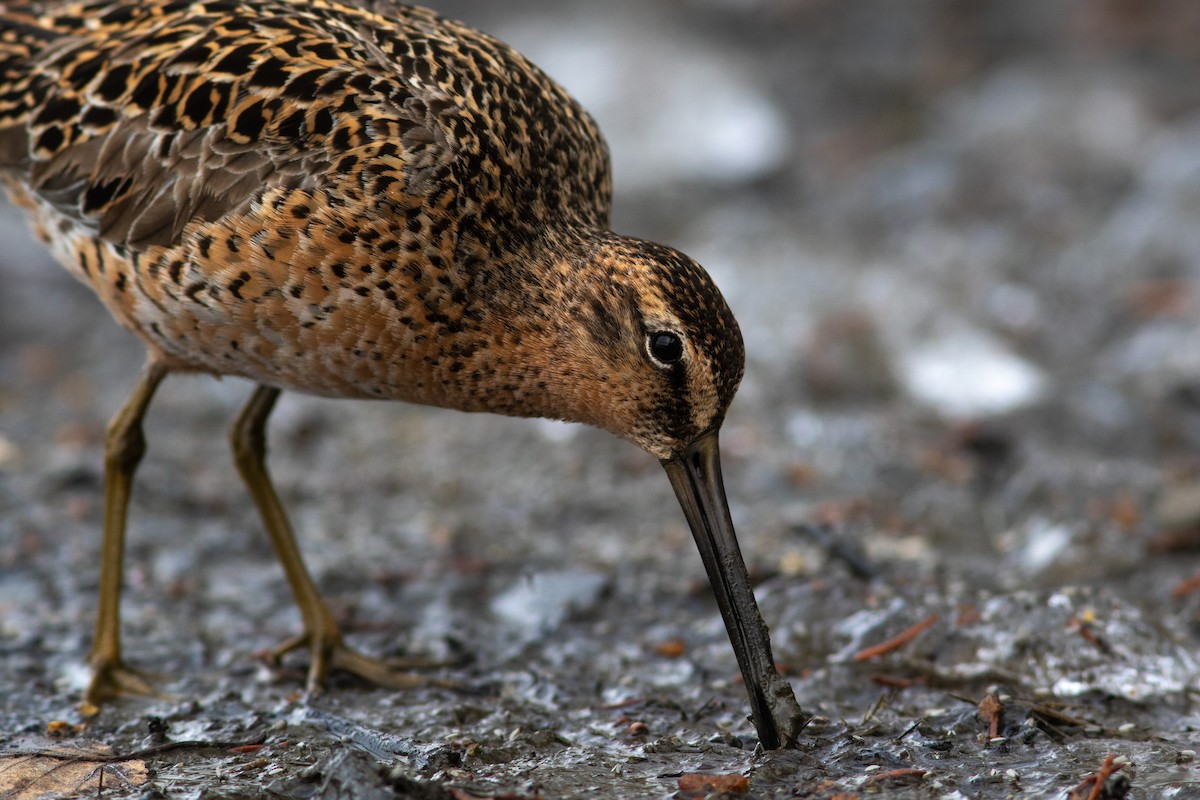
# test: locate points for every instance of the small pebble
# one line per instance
(9, 453)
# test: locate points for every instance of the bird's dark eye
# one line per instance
(665, 347)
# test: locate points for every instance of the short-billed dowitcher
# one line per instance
(361, 201)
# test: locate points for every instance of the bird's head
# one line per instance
(635, 338)
(649, 348)
(653, 354)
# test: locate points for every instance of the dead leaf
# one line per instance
(990, 709)
(675, 648)
(696, 784)
(67, 773)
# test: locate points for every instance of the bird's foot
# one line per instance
(111, 678)
(330, 653)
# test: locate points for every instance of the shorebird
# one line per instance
(361, 201)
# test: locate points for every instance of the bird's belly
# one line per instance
(333, 343)
(340, 345)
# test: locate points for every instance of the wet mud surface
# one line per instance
(963, 246)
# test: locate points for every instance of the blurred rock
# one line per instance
(540, 602)
(846, 362)
(1179, 506)
(965, 372)
(1042, 546)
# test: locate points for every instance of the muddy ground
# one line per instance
(963, 240)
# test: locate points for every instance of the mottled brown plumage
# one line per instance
(359, 202)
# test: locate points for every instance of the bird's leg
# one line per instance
(124, 446)
(321, 634)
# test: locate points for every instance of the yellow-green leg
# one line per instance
(124, 446)
(321, 634)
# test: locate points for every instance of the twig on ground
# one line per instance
(1095, 781)
(896, 642)
(1186, 586)
(66, 754)
(895, 774)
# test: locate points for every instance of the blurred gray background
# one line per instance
(963, 242)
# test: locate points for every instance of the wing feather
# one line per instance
(136, 120)
(166, 158)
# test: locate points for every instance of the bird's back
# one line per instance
(286, 167)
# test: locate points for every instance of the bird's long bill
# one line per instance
(696, 477)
